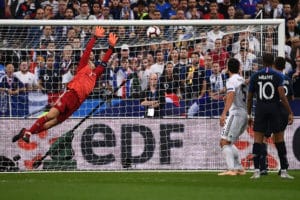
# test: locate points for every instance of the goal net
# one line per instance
(144, 119)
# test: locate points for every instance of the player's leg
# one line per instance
(67, 103)
(282, 154)
(41, 124)
(226, 147)
(263, 165)
(257, 151)
(260, 126)
(236, 130)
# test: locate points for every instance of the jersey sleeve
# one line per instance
(86, 54)
(230, 86)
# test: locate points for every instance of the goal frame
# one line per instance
(279, 22)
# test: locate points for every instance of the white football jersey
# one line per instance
(29, 79)
(236, 84)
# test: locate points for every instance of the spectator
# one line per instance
(246, 59)
(152, 10)
(13, 101)
(27, 78)
(276, 9)
(97, 11)
(51, 4)
(84, 12)
(296, 10)
(169, 83)
(62, 6)
(2, 65)
(115, 9)
(158, 66)
(151, 97)
(219, 55)
(174, 56)
(223, 8)
(141, 11)
(69, 14)
(230, 12)
(183, 5)
(124, 34)
(126, 12)
(145, 73)
(253, 43)
(162, 6)
(296, 78)
(203, 6)
(46, 37)
(50, 80)
(67, 59)
(125, 52)
(227, 43)
(40, 14)
(287, 11)
(212, 35)
(9, 83)
(216, 83)
(121, 74)
(292, 32)
(208, 62)
(27, 9)
(195, 85)
(48, 12)
(213, 12)
(249, 7)
(135, 81)
(106, 13)
(170, 12)
(192, 12)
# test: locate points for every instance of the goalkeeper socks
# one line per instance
(281, 150)
(229, 157)
(256, 151)
(38, 125)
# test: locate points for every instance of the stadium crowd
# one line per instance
(190, 74)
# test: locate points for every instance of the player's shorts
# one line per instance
(268, 118)
(53, 97)
(235, 125)
(67, 104)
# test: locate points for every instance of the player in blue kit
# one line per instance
(267, 86)
(279, 66)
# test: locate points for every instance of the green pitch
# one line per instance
(146, 186)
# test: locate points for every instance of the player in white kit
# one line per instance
(235, 124)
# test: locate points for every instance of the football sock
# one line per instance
(38, 125)
(263, 157)
(281, 150)
(256, 151)
(229, 158)
(237, 163)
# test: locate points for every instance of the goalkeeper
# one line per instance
(77, 91)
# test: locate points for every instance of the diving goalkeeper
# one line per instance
(77, 91)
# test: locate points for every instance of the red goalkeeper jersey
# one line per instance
(85, 78)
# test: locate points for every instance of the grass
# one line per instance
(145, 186)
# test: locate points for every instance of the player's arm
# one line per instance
(112, 40)
(285, 103)
(99, 33)
(228, 103)
(249, 108)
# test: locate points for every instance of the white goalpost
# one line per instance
(121, 134)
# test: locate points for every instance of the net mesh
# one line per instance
(123, 133)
